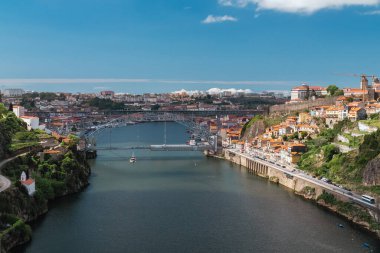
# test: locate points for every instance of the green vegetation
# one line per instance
(106, 104)
(9, 126)
(351, 210)
(28, 98)
(268, 121)
(324, 159)
(333, 90)
(55, 176)
(271, 121)
(373, 122)
(10, 224)
(252, 102)
(155, 107)
(249, 124)
(307, 190)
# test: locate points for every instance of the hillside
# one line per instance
(345, 155)
(55, 176)
(9, 126)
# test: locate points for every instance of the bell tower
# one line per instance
(364, 83)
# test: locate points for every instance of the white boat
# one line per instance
(132, 159)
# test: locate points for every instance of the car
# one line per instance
(349, 193)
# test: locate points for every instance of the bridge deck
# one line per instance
(172, 147)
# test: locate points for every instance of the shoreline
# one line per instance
(312, 197)
(13, 238)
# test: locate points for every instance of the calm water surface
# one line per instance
(185, 202)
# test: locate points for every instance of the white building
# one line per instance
(305, 92)
(13, 92)
(32, 122)
(29, 184)
(18, 110)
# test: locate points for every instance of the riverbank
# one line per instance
(365, 217)
(16, 203)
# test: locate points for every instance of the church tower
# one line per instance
(364, 83)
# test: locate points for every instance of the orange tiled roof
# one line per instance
(28, 182)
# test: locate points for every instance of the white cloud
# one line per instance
(298, 6)
(211, 19)
(214, 91)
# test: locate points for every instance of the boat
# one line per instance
(132, 159)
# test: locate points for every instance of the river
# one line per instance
(185, 202)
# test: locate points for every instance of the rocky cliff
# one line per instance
(371, 173)
(16, 202)
(257, 128)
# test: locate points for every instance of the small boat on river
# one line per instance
(132, 159)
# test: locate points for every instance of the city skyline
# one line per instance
(243, 44)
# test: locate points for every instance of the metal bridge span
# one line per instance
(200, 130)
(170, 147)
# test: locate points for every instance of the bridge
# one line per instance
(207, 141)
(164, 147)
(196, 113)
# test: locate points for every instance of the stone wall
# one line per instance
(365, 128)
(278, 176)
(302, 105)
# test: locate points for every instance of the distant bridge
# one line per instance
(201, 132)
(203, 113)
(171, 147)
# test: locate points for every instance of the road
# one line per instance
(300, 174)
(5, 183)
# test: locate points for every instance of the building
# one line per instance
(29, 184)
(376, 87)
(355, 92)
(304, 92)
(31, 122)
(366, 92)
(13, 92)
(357, 113)
(299, 93)
(18, 111)
(107, 94)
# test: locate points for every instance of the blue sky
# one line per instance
(166, 43)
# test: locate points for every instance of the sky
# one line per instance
(165, 45)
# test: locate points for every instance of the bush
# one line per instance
(45, 187)
(328, 198)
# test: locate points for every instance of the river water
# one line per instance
(185, 202)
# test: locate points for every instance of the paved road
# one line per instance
(5, 183)
(300, 174)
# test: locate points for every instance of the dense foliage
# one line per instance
(333, 90)
(349, 209)
(106, 104)
(324, 159)
(250, 123)
(252, 102)
(9, 125)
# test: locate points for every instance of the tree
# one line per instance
(10, 107)
(313, 93)
(155, 107)
(333, 90)
(339, 93)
